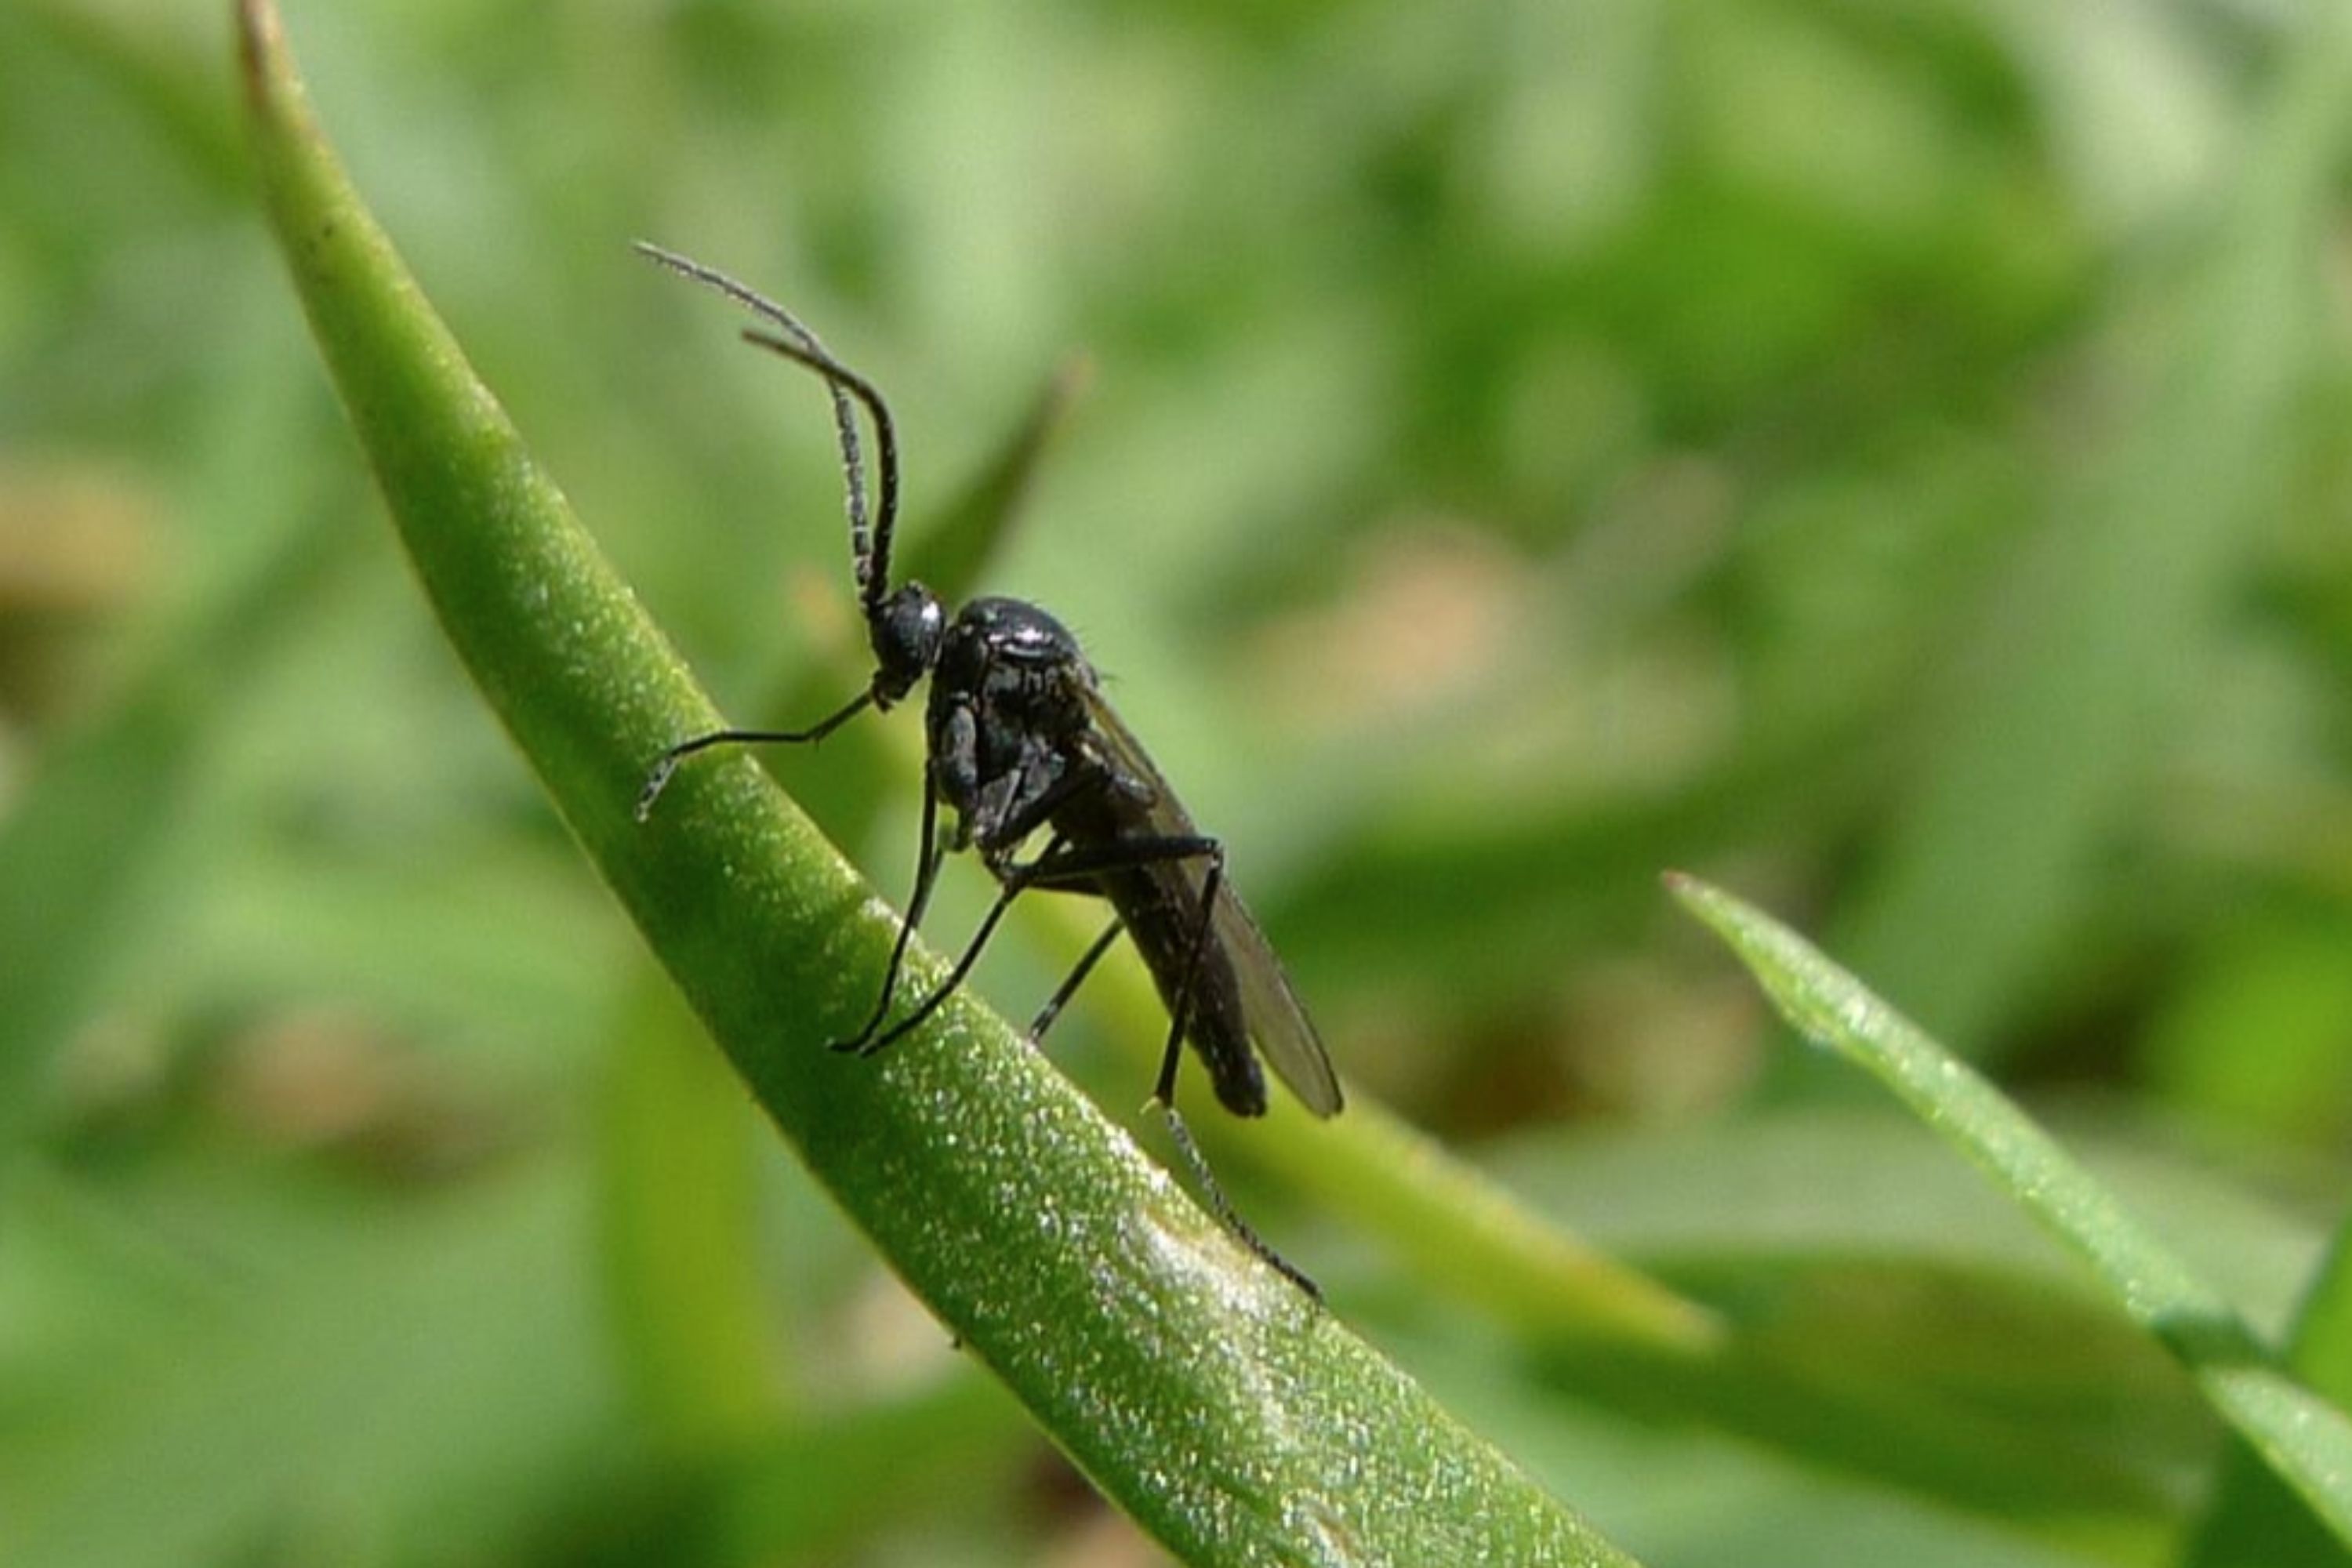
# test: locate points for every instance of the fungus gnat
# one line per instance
(1020, 742)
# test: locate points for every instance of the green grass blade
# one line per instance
(953, 550)
(1236, 1420)
(689, 1307)
(80, 850)
(2305, 1440)
(2080, 681)
(1454, 1225)
(2254, 1521)
(690, 1312)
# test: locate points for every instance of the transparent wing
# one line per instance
(1277, 1023)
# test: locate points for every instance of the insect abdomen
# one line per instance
(1162, 912)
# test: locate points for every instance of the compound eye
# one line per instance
(906, 631)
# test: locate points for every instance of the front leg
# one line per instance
(1059, 866)
(927, 860)
(868, 1043)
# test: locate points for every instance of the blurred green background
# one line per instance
(1888, 457)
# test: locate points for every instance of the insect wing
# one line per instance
(1278, 1024)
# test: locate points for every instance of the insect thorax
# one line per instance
(1008, 719)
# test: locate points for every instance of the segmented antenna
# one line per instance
(870, 540)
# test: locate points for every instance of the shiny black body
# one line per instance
(1022, 739)
(1022, 746)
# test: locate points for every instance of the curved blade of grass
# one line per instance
(1454, 1223)
(690, 1315)
(2253, 1521)
(1461, 1229)
(2302, 1438)
(689, 1309)
(2082, 676)
(952, 551)
(80, 850)
(1235, 1419)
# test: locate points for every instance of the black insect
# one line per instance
(1021, 742)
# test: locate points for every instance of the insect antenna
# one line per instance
(873, 549)
(869, 563)
(901, 659)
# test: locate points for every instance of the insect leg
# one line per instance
(1061, 867)
(928, 860)
(868, 1042)
(1057, 866)
(1080, 865)
(657, 777)
(1069, 988)
(1180, 1014)
(1223, 1207)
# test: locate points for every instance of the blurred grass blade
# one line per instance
(2305, 1439)
(2071, 688)
(690, 1315)
(1458, 1225)
(1235, 1420)
(80, 850)
(952, 551)
(2254, 1521)
(1463, 1231)
(76, 855)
